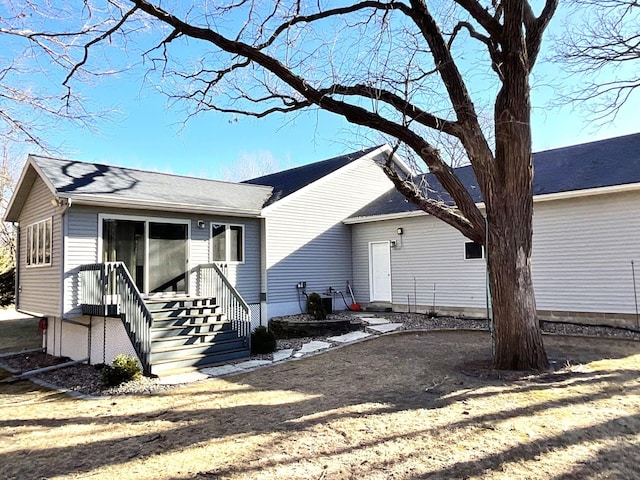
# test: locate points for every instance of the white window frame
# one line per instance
(227, 242)
(36, 243)
(471, 259)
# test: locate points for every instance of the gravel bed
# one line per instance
(87, 379)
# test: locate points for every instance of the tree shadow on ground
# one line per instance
(411, 373)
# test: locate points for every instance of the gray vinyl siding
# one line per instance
(39, 286)
(582, 252)
(581, 261)
(306, 239)
(428, 253)
(82, 248)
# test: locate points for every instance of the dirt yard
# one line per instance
(396, 407)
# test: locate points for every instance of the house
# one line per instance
(126, 261)
(307, 245)
(586, 242)
(179, 270)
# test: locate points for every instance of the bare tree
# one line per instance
(400, 68)
(33, 66)
(603, 47)
(252, 165)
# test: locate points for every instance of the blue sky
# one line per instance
(148, 133)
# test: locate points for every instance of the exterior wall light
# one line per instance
(399, 231)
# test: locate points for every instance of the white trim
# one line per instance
(586, 192)
(388, 216)
(146, 220)
(29, 262)
(630, 187)
(227, 242)
(388, 244)
(137, 204)
(472, 259)
(318, 183)
(30, 163)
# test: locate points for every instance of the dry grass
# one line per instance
(16, 335)
(394, 407)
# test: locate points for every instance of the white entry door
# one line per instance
(380, 271)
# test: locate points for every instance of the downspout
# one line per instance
(16, 285)
(63, 257)
(263, 272)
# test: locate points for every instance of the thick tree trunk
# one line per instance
(518, 340)
(509, 201)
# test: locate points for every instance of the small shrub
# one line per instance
(263, 341)
(124, 368)
(315, 308)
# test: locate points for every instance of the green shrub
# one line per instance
(124, 368)
(315, 308)
(263, 341)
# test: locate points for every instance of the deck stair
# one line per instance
(191, 332)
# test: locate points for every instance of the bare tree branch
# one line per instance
(606, 41)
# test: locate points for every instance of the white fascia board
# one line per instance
(388, 216)
(587, 192)
(135, 204)
(537, 198)
(352, 165)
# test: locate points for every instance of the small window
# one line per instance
(38, 243)
(227, 243)
(473, 250)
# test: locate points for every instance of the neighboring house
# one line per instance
(179, 270)
(306, 241)
(586, 233)
(100, 246)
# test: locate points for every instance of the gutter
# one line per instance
(590, 192)
(136, 204)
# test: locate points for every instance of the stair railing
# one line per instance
(212, 282)
(107, 289)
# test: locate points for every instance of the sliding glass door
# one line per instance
(155, 253)
(167, 257)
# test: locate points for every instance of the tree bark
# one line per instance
(509, 201)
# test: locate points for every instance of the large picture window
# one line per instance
(38, 243)
(227, 243)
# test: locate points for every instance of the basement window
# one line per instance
(473, 250)
(227, 243)
(38, 243)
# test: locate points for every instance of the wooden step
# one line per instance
(189, 322)
(162, 343)
(159, 353)
(194, 362)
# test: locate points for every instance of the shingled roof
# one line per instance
(289, 181)
(604, 163)
(93, 183)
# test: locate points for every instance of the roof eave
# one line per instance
(536, 198)
(97, 200)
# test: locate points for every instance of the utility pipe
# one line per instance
(37, 371)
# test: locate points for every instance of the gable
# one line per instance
(286, 182)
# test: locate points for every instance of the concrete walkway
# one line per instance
(11, 314)
(373, 326)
